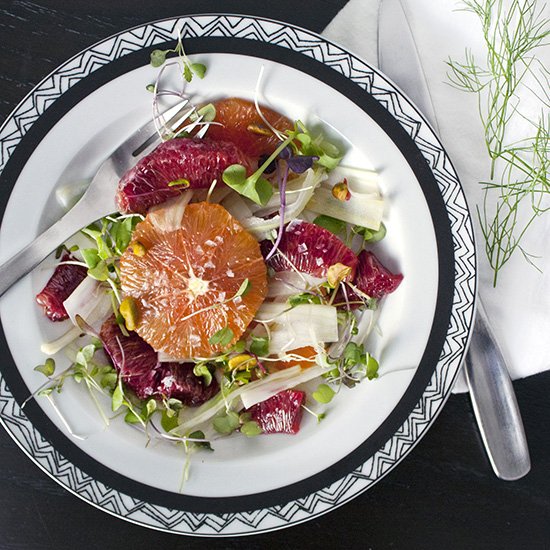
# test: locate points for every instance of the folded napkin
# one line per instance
(519, 307)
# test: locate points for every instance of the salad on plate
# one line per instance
(236, 286)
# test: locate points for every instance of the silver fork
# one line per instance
(99, 199)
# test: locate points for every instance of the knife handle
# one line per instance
(494, 403)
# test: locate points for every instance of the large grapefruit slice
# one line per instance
(185, 285)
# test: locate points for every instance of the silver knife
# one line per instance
(493, 398)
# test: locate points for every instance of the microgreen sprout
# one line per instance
(158, 58)
(338, 227)
(323, 394)
(48, 368)
(328, 155)
(370, 235)
(259, 345)
(318, 416)
(222, 337)
(254, 187)
(201, 369)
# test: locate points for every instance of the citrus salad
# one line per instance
(240, 266)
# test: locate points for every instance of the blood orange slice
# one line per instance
(241, 124)
(60, 286)
(373, 278)
(311, 249)
(281, 413)
(138, 364)
(184, 285)
(173, 166)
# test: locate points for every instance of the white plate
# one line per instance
(72, 120)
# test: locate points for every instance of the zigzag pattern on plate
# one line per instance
(340, 492)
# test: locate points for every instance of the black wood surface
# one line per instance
(444, 495)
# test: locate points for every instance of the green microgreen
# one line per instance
(328, 154)
(111, 236)
(226, 423)
(207, 112)
(334, 225)
(48, 368)
(259, 346)
(117, 399)
(201, 370)
(323, 394)
(168, 421)
(239, 347)
(318, 416)
(60, 250)
(222, 337)
(198, 434)
(370, 235)
(251, 428)
(304, 298)
(254, 187)
(158, 58)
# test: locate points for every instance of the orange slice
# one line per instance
(307, 353)
(184, 280)
(242, 125)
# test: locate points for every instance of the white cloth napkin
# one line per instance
(519, 307)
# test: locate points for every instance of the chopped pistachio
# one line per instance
(243, 360)
(138, 248)
(130, 312)
(337, 273)
(341, 192)
(259, 129)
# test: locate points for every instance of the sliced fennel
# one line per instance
(365, 210)
(52, 347)
(287, 283)
(294, 188)
(167, 216)
(300, 326)
(273, 385)
(90, 301)
(365, 206)
(360, 181)
(262, 228)
(237, 206)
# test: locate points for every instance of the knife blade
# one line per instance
(492, 394)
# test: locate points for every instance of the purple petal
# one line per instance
(300, 164)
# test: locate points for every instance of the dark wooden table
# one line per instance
(444, 495)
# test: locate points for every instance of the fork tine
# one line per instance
(202, 131)
(174, 115)
(175, 125)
